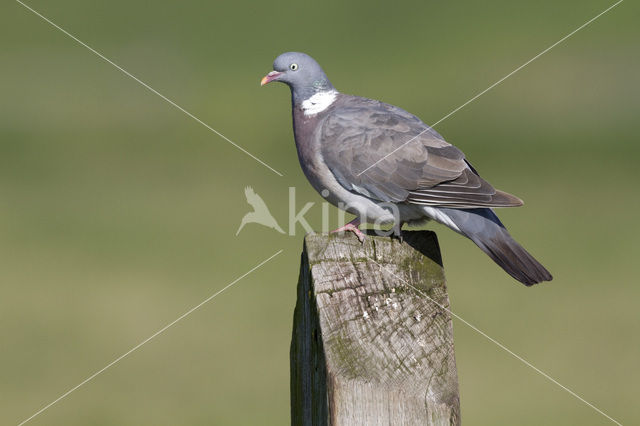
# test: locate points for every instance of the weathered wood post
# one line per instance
(369, 347)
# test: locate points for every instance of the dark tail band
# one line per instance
(484, 228)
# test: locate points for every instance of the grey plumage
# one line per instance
(483, 227)
(344, 143)
(427, 170)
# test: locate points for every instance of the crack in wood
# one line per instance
(367, 348)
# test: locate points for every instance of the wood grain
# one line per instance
(369, 347)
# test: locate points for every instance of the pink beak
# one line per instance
(269, 77)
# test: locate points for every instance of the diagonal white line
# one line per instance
(136, 347)
(500, 345)
(149, 88)
(494, 84)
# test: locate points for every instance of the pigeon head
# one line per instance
(301, 73)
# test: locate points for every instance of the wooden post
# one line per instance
(368, 346)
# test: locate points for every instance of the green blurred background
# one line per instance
(118, 212)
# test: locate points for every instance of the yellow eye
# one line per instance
(293, 67)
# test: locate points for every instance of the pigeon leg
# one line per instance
(353, 227)
(397, 231)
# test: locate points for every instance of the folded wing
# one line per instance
(358, 138)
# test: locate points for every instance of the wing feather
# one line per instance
(427, 171)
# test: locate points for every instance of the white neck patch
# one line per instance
(318, 102)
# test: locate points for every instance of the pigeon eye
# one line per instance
(293, 67)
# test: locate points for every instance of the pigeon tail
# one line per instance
(483, 227)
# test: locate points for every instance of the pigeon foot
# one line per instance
(352, 227)
(397, 232)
